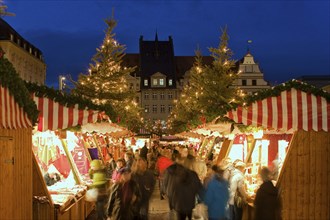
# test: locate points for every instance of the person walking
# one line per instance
(162, 163)
(267, 201)
(145, 179)
(238, 196)
(124, 198)
(216, 195)
(181, 186)
(98, 175)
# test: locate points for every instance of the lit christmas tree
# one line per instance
(106, 82)
(210, 91)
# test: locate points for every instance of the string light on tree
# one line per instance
(106, 81)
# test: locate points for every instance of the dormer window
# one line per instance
(158, 80)
(170, 82)
(145, 82)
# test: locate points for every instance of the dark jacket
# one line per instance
(181, 186)
(267, 202)
(144, 152)
(117, 209)
(110, 167)
(146, 182)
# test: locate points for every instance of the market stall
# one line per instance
(303, 111)
(15, 156)
(106, 137)
(57, 150)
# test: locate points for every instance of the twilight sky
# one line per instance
(289, 38)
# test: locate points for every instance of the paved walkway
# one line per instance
(158, 209)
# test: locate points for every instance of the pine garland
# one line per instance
(10, 79)
(276, 91)
(66, 99)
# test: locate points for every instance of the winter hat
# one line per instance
(99, 179)
(96, 164)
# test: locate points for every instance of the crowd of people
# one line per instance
(185, 181)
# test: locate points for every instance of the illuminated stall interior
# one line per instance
(52, 157)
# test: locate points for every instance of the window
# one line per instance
(170, 82)
(137, 99)
(254, 82)
(162, 108)
(155, 82)
(146, 108)
(161, 82)
(170, 95)
(137, 85)
(162, 95)
(146, 95)
(145, 82)
(154, 95)
(131, 86)
(244, 82)
(169, 108)
(154, 108)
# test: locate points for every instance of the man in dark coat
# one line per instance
(181, 186)
(267, 202)
(144, 151)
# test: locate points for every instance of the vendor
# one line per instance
(52, 176)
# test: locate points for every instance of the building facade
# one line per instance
(160, 76)
(26, 58)
(250, 78)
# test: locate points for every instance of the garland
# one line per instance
(10, 79)
(276, 91)
(67, 100)
(273, 92)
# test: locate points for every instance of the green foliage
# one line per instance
(10, 79)
(276, 91)
(107, 81)
(68, 100)
(210, 92)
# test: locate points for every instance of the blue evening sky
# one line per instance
(289, 38)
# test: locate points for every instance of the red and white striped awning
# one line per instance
(293, 109)
(11, 115)
(54, 116)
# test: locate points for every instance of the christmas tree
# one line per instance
(209, 92)
(106, 82)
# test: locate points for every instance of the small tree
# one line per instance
(106, 82)
(210, 92)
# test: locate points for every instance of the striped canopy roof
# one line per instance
(54, 116)
(11, 115)
(292, 109)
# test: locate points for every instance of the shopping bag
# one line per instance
(200, 212)
(91, 195)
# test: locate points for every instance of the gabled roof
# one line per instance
(290, 106)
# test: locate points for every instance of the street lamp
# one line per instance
(61, 83)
